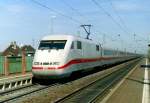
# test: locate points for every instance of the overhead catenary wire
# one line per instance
(109, 15)
(72, 8)
(77, 21)
(76, 11)
(119, 17)
(55, 11)
(112, 18)
(122, 21)
(106, 35)
(138, 37)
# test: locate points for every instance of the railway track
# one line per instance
(18, 93)
(79, 96)
(91, 92)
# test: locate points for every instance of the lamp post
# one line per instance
(121, 42)
(52, 23)
(104, 39)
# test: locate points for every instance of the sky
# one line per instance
(116, 24)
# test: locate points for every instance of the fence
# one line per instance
(15, 64)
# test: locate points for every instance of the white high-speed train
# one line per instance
(62, 55)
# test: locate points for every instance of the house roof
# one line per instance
(14, 50)
(28, 48)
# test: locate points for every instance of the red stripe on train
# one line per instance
(76, 61)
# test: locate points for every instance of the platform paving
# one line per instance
(131, 90)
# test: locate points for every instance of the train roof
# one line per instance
(56, 37)
(66, 37)
(73, 37)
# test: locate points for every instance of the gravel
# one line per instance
(54, 93)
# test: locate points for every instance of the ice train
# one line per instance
(62, 55)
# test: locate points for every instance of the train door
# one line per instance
(79, 49)
(76, 49)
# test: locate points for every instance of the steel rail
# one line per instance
(71, 95)
(34, 88)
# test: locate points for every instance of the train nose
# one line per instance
(46, 57)
(40, 72)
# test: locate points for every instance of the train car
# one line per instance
(62, 55)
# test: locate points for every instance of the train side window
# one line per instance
(79, 45)
(72, 45)
(97, 47)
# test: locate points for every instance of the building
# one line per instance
(29, 50)
(14, 50)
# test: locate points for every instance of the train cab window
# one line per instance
(79, 45)
(72, 45)
(97, 47)
(52, 44)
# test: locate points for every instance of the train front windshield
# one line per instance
(52, 44)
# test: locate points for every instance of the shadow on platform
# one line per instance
(139, 81)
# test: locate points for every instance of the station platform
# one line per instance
(134, 88)
(14, 81)
(15, 75)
